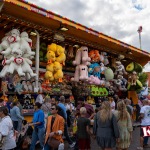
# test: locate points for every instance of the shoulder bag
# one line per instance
(54, 143)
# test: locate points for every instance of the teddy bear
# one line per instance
(4, 44)
(26, 67)
(119, 68)
(58, 74)
(25, 44)
(50, 56)
(14, 41)
(16, 64)
(61, 55)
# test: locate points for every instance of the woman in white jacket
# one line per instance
(6, 130)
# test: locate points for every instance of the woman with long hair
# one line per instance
(105, 127)
(125, 126)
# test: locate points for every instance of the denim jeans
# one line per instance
(38, 134)
(146, 140)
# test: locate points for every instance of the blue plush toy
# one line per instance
(94, 69)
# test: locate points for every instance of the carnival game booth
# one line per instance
(67, 58)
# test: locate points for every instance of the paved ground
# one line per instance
(134, 144)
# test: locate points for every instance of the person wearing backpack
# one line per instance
(62, 112)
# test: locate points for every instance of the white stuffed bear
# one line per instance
(15, 64)
(26, 43)
(4, 44)
(26, 67)
(14, 40)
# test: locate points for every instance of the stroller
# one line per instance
(24, 137)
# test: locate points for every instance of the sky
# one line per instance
(119, 19)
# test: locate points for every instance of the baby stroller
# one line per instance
(24, 138)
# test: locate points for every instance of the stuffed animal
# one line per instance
(26, 44)
(26, 67)
(70, 53)
(58, 74)
(52, 47)
(77, 60)
(40, 86)
(18, 88)
(133, 78)
(94, 55)
(14, 41)
(119, 68)
(83, 69)
(4, 87)
(84, 53)
(134, 67)
(15, 64)
(94, 69)
(102, 57)
(50, 67)
(4, 44)
(61, 55)
(24, 85)
(50, 57)
(76, 74)
(106, 61)
(49, 76)
(29, 85)
(94, 80)
(109, 74)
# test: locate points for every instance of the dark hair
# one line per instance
(62, 98)
(1, 100)
(56, 106)
(4, 109)
(38, 104)
(14, 103)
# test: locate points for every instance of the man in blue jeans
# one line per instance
(39, 129)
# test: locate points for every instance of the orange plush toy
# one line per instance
(94, 55)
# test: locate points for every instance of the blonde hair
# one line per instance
(82, 110)
(121, 107)
(105, 112)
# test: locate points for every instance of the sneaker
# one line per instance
(72, 145)
(140, 148)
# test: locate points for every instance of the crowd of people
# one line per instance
(57, 118)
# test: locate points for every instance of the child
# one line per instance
(83, 130)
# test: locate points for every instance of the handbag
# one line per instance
(52, 142)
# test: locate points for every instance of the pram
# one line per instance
(24, 137)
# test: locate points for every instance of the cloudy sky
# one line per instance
(117, 18)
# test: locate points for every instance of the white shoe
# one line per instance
(61, 146)
(72, 145)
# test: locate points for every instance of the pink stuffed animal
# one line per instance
(83, 72)
(85, 58)
(77, 60)
(94, 80)
(76, 75)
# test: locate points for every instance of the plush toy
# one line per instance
(24, 85)
(94, 69)
(70, 53)
(102, 57)
(94, 55)
(61, 55)
(109, 74)
(52, 47)
(26, 67)
(76, 74)
(14, 41)
(50, 57)
(134, 67)
(106, 61)
(40, 86)
(50, 67)
(77, 60)
(18, 88)
(94, 80)
(84, 52)
(133, 78)
(49, 76)
(29, 85)
(4, 44)
(25, 44)
(15, 64)
(58, 74)
(83, 69)
(4, 87)
(119, 68)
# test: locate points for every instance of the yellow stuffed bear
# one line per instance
(58, 74)
(50, 57)
(52, 47)
(61, 55)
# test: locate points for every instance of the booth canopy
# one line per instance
(26, 16)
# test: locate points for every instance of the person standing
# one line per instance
(61, 104)
(54, 128)
(83, 130)
(125, 126)
(39, 129)
(40, 98)
(105, 127)
(6, 130)
(15, 115)
(145, 121)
